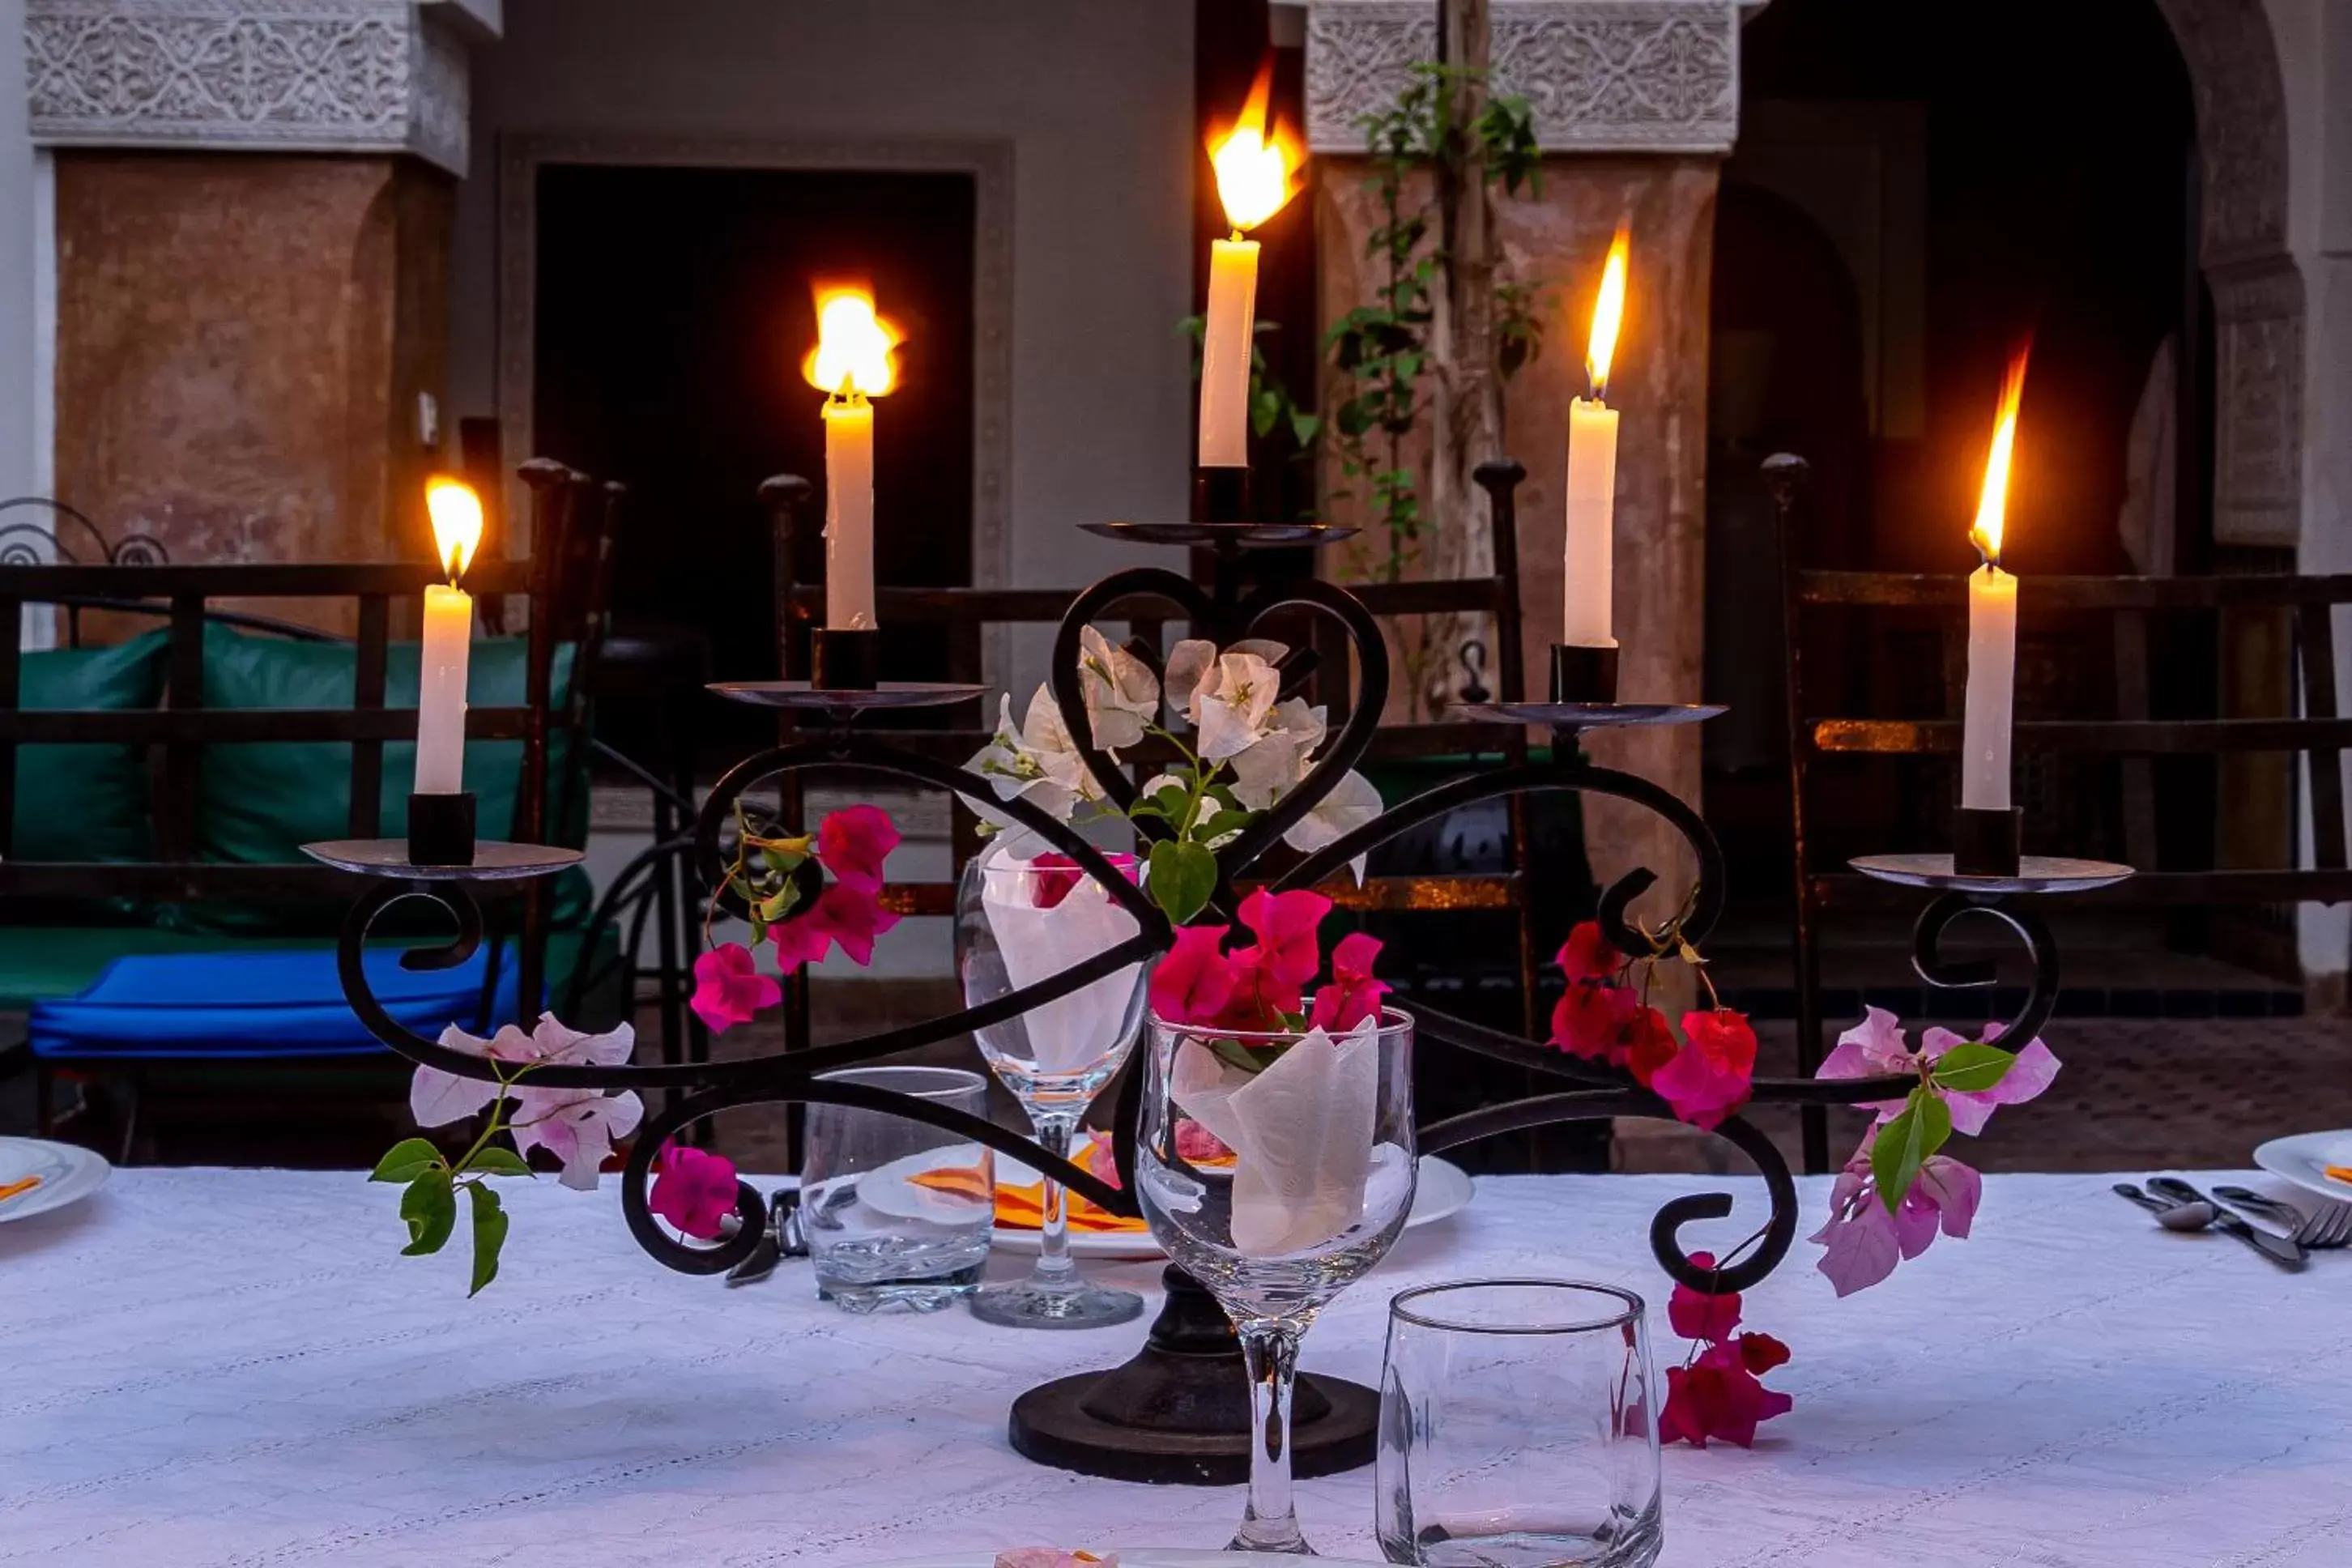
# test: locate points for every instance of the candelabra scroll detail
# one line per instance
(1950, 973)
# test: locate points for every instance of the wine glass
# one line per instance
(1278, 1169)
(1018, 922)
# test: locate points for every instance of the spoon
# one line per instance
(2193, 1216)
(2281, 1250)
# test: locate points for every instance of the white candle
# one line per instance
(1587, 568)
(1225, 353)
(456, 514)
(849, 514)
(1992, 682)
(852, 363)
(1986, 722)
(441, 696)
(1590, 540)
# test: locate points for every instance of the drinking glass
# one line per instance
(1277, 1168)
(1517, 1428)
(897, 1212)
(1018, 922)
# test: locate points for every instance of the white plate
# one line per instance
(67, 1171)
(890, 1189)
(2299, 1160)
(1148, 1558)
(1444, 1190)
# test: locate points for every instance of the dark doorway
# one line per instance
(673, 310)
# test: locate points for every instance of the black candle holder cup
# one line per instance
(441, 828)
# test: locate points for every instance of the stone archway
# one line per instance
(2258, 294)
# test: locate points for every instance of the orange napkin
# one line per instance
(10, 1189)
(2338, 1174)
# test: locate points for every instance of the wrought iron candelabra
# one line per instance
(1178, 1412)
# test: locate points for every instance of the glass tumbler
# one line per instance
(1518, 1428)
(897, 1212)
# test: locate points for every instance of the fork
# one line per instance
(2324, 1228)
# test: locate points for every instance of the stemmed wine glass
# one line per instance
(1018, 922)
(1278, 1169)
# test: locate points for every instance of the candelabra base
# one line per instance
(1985, 842)
(844, 660)
(441, 829)
(1179, 1413)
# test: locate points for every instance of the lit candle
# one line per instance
(457, 513)
(1993, 625)
(852, 363)
(1256, 175)
(1587, 570)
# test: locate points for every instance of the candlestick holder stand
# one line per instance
(441, 829)
(1178, 1412)
(844, 658)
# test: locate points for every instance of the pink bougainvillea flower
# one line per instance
(1353, 994)
(1057, 874)
(854, 842)
(1099, 1159)
(1589, 1021)
(1285, 925)
(728, 989)
(1645, 1044)
(2027, 1077)
(855, 918)
(1717, 1395)
(1586, 955)
(1872, 1048)
(1710, 1077)
(1700, 1315)
(436, 1097)
(692, 1190)
(1261, 998)
(1192, 983)
(578, 1126)
(1862, 1242)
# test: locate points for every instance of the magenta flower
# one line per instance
(852, 842)
(1586, 955)
(1717, 1395)
(728, 988)
(804, 938)
(1192, 983)
(1863, 1241)
(1711, 1076)
(1285, 926)
(692, 1190)
(843, 916)
(1353, 994)
(1700, 1314)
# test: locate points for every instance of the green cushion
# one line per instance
(41, 963)
(259, 803)
(86, 802)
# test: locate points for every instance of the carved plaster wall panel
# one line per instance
(1602, 76)
(2258, 333)
(345, 76)
(2242, 131)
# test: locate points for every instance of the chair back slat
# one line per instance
(374, 634)
(2316, 639)
(12, 620)
(184, 692)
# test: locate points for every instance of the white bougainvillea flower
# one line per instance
(1271, 766)
(1232, 704)
(1122, 695)
(576, 1125)
(1194, 657)
(1352, 803)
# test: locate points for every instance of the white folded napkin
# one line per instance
(1301, 1132)
(1070, 1033)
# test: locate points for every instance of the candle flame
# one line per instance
(456, 514)
(852, 356)
(1992, 508)
(1257, 172)
(1608, 313)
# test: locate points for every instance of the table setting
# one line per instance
(1226, 1290)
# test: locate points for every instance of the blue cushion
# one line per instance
(257, 1004)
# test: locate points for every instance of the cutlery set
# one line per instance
(2180, 1206)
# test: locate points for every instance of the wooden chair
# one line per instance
(1934, 606)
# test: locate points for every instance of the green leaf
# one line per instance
(489, 1236)
(406, 1161)
(431, 1211)
(1170, 801)
(497, 1159)
(1904, 1144)
(1182, 878)
(1220, 823)
(1972, 1068)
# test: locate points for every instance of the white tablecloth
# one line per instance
(207, 1368)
